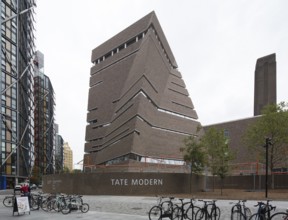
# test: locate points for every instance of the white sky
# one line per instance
(215, 43)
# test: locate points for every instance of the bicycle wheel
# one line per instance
(155, 213)
(57, 206)
(44, 205)
(237, 215)
(257, 216)
(280, 216)
(84, 208)
(8, 201)
(177, 213)
(66, 209)
(247, 213)
(215, 213)
(50, 205)
(191, 212)
(200, 214)
(33, 203)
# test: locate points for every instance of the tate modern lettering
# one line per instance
(136, 182)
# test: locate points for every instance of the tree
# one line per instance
(76, 171)
(211, 150)
(66, 170)
(273, 124)
(194, 154)
(219, 153)
(36, 175)
(225, 155)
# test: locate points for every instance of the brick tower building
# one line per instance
(139, 109)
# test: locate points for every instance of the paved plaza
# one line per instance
(116, 208)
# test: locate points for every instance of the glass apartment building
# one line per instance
(17, 108)
(43, 121)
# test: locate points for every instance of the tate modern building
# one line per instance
(139, 110)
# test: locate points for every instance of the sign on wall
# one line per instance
(122, 183)
(136, 182)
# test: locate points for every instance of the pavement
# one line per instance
(116, 208)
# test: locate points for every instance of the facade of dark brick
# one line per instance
(139, 108)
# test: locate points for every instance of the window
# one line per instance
(121, 47)
(107, 55)
(13, 103)
(226, 133)
(3, 132)
(132, 41)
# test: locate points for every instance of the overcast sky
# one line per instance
(215, 43)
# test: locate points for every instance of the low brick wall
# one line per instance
(122, 183)
(251, 182)
(128, 183)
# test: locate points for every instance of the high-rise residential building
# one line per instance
(68, 156)
(17, 109)
(43, 120)
(59, 151)
(139, 109)
(265, 83)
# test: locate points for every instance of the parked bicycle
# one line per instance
(240, 211)
(164, 209)
(209, 211)
(8, 201)
(74, 203)
(264, 211)
(57, 203)
(40, 200)
(187, 210)
(280, 215)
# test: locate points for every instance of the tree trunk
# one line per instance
(221, 185)
(213, 183)
(272, 181)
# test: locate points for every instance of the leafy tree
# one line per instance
(219, 153)
(36, 175)
(66, 170)
(273, 124)
(76, 171)
(225, 155)
(211, 150)
(194, 154)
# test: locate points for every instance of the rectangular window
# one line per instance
(3, 134)
(13, 103)
(226, 133)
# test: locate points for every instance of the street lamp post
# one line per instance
(268, 142)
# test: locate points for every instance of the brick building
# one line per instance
(139, 109)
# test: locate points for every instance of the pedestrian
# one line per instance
(25, 189)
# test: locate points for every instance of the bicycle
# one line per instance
(209, 211)
(8, 201)
(162, 209)
(75, 203)
(240, 211)
(57, 203)
(40, 201)
(263, 212)
(280, 215)
(187, 210)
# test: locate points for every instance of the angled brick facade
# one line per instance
(138, 105)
